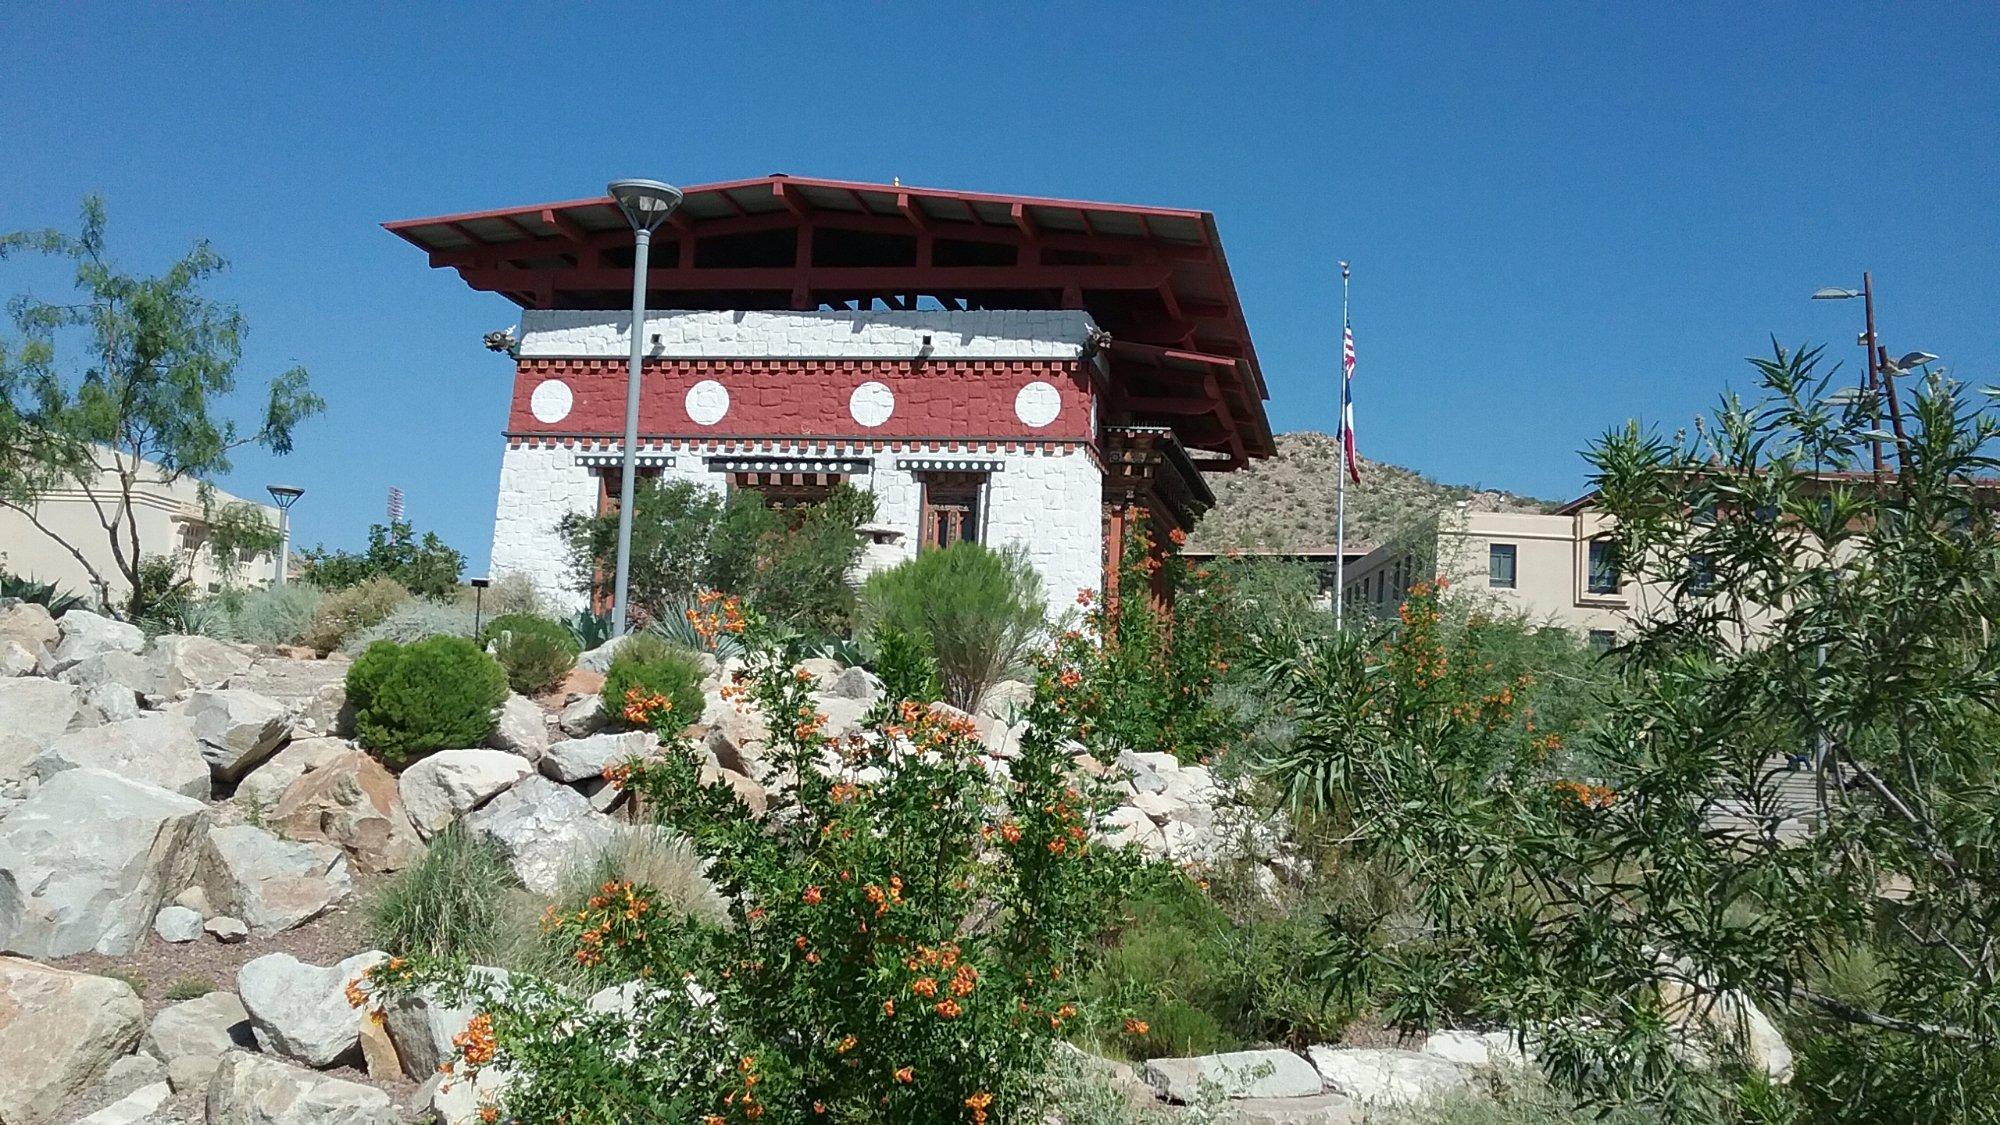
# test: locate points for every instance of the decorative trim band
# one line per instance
(617, 458)
(933, 465)
(790, 464)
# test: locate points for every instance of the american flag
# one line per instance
(1347, 393)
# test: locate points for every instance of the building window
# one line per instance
(1500, 566)
(1701, 574)
(1601, 640)
(952, 508)
(787, 491)
(1604, 578)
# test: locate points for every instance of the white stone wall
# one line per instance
(538, 487)
(1050, 503)
(980, 334)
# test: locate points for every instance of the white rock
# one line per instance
(226, 930)
(520, 728)
(598, 660)
(129, 671)
(1237, 1074)
(252, 1090)
(1476, 1049)
(853, 683)
(1152, 761)
(422, 1025)
(195, 899)
(177, 924)
(1006, 698)
(843, 715)
(1731, 1018)
(459, 1102)
(272, 885)
(18, 659)
(582, 716)
(59, 1033)
(191, 1037)
(544, 828)
(197, 663)
(1127, 825)
(1156, 805)
(1319, 1109)
(29, 624)
(1191, 785)
(450, 783)
(351, 802)
(135, 1108)
(238, 729)
(33, 713)
(115, 702)
(157, 749)
(301, 1011)
(1382, 1076)
(87, 634)
(575, 759)
(262, 787)
(87, 861)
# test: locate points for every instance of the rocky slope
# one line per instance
(1287, 502)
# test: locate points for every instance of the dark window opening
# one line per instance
(757, 249)
(952, 508)
(835, 247)
(1604, 577)
(1500, 566)
(1601, 640)
(956, 252)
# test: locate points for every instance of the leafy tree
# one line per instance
(425, 567)
(978, 613)
(1799, 609)
(141, 407)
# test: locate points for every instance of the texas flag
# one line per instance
(1347, 401)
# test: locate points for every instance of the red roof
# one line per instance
(1155, 278)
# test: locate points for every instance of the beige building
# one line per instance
(170, 519)
(1553, 568)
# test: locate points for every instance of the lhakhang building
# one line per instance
(1005, 369)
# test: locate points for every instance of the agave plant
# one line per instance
(44, 594)
(674, 627)
(591, 630)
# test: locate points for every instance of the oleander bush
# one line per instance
(652, 667)
(536, 652)
(904, 937)
(438, 693)
(977, 611)
(344, 612)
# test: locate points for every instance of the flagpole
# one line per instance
(1340, 473)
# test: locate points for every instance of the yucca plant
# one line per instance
(45, 594)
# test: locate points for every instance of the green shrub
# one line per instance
(536, 652)
(515, 592)
(413, 621)
(190, 988)
(274, 615)
(647, 663)
(347, 611)
(448, 904)
(425, 567)
(905, 666)
(435, 694)
(978, 611)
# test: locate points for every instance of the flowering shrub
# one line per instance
(646, 664)
(905, 925)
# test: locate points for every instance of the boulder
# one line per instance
(520, 728)
(130, 1073)
(139, 1107)
(192, 1036)
(1476, 1049)
(59, 1033)
(736, 737)
(378, 1052)
(113, 702)
(350, 802)
(749, 792)
(544, 829)
(450, 783)
(87, 634)
(87, 861)
(598, 660)
(1318, 1109)
(1237, 1074)
(462, 1101)
(177, 925)
(326, 711)
(1005, 698)
(1385, 1076)
(37, 711)
(1190, 785)
(853, 683)
(129, 671)
(252, 1090)
(1127, 825)
(1707, 1015)
(29, 625)
(1157, 806)
(300, 1011)
(843, 715)
(226, 930)
(820, 668)
(261, 787)
(158, 749)
(575, 759)
(271, 885)
(238, 729)
(582, 715)
(421, 1025)
(18, 659)
(197, 663)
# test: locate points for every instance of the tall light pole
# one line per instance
(1882, 370)
(284, 496)
(646, 204)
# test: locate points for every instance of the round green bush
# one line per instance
(646, 662)
(434, 694)
(536, 652)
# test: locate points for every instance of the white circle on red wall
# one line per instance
(872, 403)
(551, 401)
(1037, 405)
(707, 402)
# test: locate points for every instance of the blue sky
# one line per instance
(1560, 216)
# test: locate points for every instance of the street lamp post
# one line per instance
(646, 204)
(284, 496)
(1882, 370)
